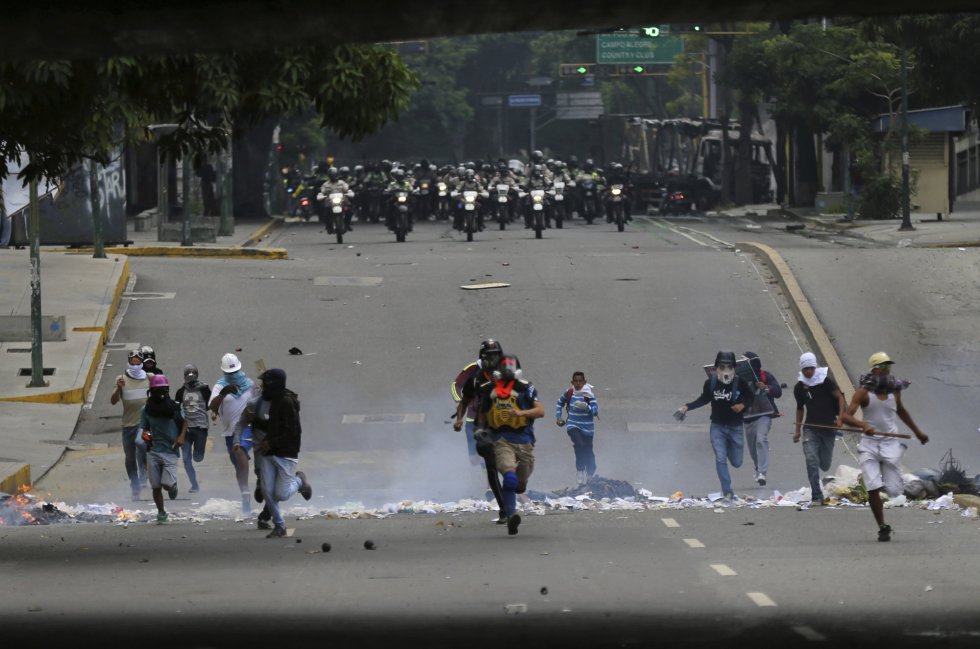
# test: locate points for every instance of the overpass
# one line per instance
(99, 28)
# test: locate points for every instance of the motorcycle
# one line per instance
(537, 207)
(587, 198)
(401, 213)
(375, 202)
(502, 205)
(471, 212)
(443, 203)
(558, 205)
(615, 206)
(338, 206)
(424, 199)
(677, 202)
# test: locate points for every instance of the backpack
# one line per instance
(568, 398)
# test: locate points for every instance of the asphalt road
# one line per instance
(640, 312)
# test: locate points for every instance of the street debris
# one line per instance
(484, 285)
(515, 609)
(599, 488)
(369, 545)
(325, 547)
(295, 351)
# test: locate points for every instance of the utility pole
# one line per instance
(34, 234)
(226, 226)
(906, 217)
(186, 239)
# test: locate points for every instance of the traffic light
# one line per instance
(633, 69)
(576, 69)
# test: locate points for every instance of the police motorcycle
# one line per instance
(402, 207)
(616, 205)
(502, 203)
(471, 210)
(443, 200)
(338, 205)
(536, 208)
(588, 198)
(304, 198)
(557, 202)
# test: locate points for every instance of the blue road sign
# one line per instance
(523, 101)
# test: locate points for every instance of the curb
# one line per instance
(77, 395)
(191, 251)
(805, 315)
(256, 236)
(19, 478)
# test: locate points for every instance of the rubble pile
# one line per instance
(600, 488)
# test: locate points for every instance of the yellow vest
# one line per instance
(501, 413)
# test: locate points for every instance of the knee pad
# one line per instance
(510, 481)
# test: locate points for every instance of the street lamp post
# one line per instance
(906, 216)
(34, 234)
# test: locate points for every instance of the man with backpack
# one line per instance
(728, 398)
(580, 402)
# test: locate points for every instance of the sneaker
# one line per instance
(194, 489)
(172, 492)
(259, 497)
(513, 522)
(263, 522)
(276, 533)
(582, 477)
(501, 518)
(761, 479)
(163, 516)
(817, 502)
(136, 494)
(305, 490)
(884, 533)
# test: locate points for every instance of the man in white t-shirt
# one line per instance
(228, 400)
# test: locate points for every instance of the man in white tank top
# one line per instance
(879, 395)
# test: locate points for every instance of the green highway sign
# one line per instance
(634, 48)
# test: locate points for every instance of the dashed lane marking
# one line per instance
(149, 296)
(723, 570)
(761, 599)
(670, 522)
(693, 543)
(810, 634)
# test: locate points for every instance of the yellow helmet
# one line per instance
(879, 358)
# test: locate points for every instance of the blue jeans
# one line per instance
(584, 455)
(728, 442)
(194, 443)
(757, 439)
(279, 483)
(818, 452)
(135, 457)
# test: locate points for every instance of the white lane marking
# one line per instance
(723, 570)
(398, 418)
(648, 427)
(347, 281)
(693, 543)
(761, 599)
(670, 522)
(710, 236)
(810, 634)
(684, 234)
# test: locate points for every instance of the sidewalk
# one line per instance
(39, 421)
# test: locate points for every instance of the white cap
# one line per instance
(230, 363)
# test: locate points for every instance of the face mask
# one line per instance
(136, 372)
(725, 373)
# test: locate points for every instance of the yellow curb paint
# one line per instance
(723, 570)
(761, 599)
(804, 313)
(19, 478)
(670, 522)
(693, 543)
(261, 232)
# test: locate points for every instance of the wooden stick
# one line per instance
(844, 429)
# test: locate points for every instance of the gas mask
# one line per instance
(725, 373)
(507, 370)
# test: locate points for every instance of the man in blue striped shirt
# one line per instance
(582, 409)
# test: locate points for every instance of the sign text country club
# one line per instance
(630, 48)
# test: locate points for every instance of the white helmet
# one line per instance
(230, 363)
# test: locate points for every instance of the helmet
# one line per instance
(398, 174)
(536, 156)
(470, 174)
(491, 347)
(159, 381)
(230, 363)
(878, 359)
(725, 367)
(135, 353)
(148, 353)
(190, 372)
(460, 171)
(549, 163)
(358, 170)
(573, 161)
(470, 165)
(589, 165)
(345, 171)
(386, 165)
(332, 173)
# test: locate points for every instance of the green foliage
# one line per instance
(881, 197)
